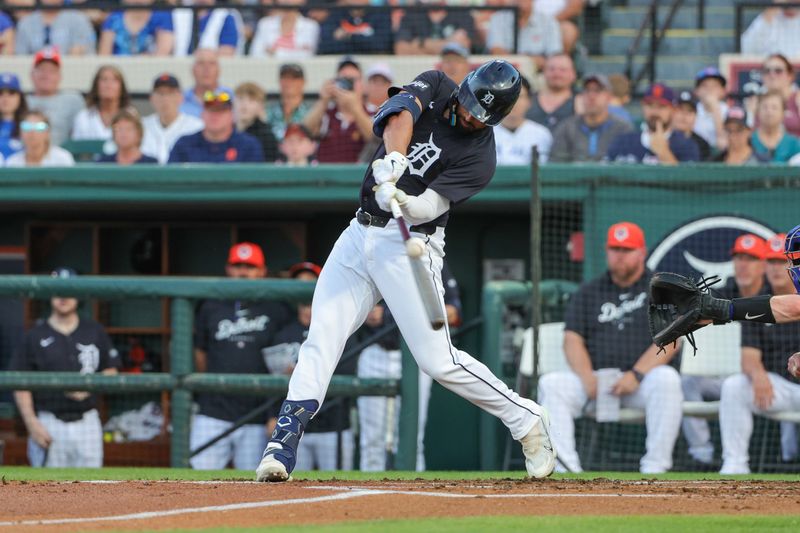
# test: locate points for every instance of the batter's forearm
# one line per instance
(428, 206)
(397, 134)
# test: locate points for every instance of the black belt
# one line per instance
(368, 219)
(69, 417)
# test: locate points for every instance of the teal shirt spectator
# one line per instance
(786, 148)
(276, 121)
(127, 44)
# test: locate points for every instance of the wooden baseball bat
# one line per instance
(423, 276)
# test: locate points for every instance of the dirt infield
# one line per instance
(97, 506)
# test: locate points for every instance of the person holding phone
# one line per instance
(340, 118)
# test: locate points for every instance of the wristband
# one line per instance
(755, 309)
(638, 375)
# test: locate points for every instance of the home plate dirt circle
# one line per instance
(133, 505)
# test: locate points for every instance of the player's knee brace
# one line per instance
(292, 421)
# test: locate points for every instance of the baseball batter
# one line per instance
(438, 150)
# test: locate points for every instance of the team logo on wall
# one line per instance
(702, 247)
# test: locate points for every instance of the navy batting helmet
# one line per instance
(791, 247)
(490, 91)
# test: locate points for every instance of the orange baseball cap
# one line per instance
(775, 247)
(751, 245)
(625, 235)
(47, 54)
(246, 253)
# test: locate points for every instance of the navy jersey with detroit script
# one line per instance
(612, 321)
(87, 350)
(232, 334)
(454, 163)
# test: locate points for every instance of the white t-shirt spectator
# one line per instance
(89, 126)
(550, 7)
(514, 147)
(300, 43)
(56, 157)
(778, 36)
(704, 124)
(541, 36)
(158, 140)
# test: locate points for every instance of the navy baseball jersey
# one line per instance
(336, 416)
(776, 342)
(629, 148)
(87, 350)
(452, 162)
(612, 321)
(232, 334)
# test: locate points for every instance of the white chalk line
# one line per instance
(349, 493)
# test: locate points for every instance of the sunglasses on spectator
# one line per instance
(33, 126)
(216, 97)
(773, 70)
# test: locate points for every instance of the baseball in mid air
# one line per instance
(415, 247)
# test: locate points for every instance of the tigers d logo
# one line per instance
(488, 98)
(702, 247)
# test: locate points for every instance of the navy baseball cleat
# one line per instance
(540, 454)
(280, 456)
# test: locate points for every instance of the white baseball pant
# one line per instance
(75, 444)
(368, 263)
(318, 450)
(736, 409)
(695, 429)
(244, 445)
(377, 362)
(659, 394)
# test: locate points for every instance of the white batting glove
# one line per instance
(389, 168)
(386, 192)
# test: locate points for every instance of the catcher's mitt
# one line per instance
(678, 305)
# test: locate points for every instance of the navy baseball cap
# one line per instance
(710, 72)
(9, 81)
(686, 97)
(63, 272)
(660, 93)
(166, 80)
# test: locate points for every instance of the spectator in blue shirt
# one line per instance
(219, 29)
(137, 32)
(218, 142)
(205, 72)
(6, 35)
(355, 31)
(12, 108)
(770, 139)
(656, 144)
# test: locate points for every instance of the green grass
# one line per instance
(23, 473)
(540, 524)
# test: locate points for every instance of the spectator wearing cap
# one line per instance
(291, 106)
(127, 133)
(69, 30)
(427, 32)
(774, 31)
(709, 88)
(340, 119)
(219, 29)
(778, 74)
(539, 34)
(61, 107)
(163, 128)
(249, 110)
(285, 33)
(737, 137)
(64, 428)
(684, 119)
(107, 97)
(135, 32)
(515, 136)
(350, 30)
(37, 147)
(205, 71)
(613, 360)
(657, 144)
(297, 147)
(229, 339)
(218, 141)
(6, 35)
(455, 62)
(770, 139)
(587, 136)
(555, 101)
(12, 107)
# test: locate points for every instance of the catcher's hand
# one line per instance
(679, 306)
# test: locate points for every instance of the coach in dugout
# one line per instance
(63, 426)
(229, 337)
(613, 359)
